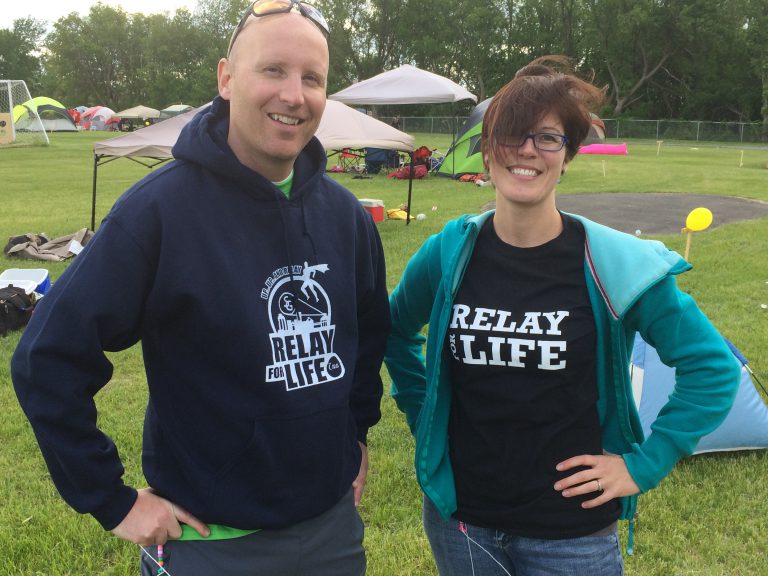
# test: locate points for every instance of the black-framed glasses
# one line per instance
(546, 141)
(268, 7)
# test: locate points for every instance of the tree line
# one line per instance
(681, 59)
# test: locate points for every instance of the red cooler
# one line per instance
(375, 207)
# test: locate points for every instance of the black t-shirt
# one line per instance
(522, 342)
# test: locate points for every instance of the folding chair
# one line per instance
(377, 159)
(349, 160)
(423, 156)
(436, 160)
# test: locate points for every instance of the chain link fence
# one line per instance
(690, 130)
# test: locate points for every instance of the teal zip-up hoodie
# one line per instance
(632, 290)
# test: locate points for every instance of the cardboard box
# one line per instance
(6, 128)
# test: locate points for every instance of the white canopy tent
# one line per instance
(404, 85)
(340, 127)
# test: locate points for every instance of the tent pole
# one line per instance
(93, 196)
(453, 144)
(410, 187)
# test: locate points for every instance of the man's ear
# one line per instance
(224, 75)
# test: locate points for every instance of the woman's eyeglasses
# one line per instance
(268, 7)
(547, 141)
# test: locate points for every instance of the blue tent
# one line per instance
(745, 427)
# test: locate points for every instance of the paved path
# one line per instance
(655, 213)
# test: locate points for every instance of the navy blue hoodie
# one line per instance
(262, 322)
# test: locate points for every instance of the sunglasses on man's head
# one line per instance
(268, 7)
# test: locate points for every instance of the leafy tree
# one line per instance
(88, 57)
(462, 40)
(174, 71)
(698, 59)
(542, 27)
(121, 60)
(217, 19)
(18, 48)
(712, 34)
(366, 38)
(632, 41)
(756, 26)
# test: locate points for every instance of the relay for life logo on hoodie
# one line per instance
(302, 328)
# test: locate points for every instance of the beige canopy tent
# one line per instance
(340, 127)
(345, 127)
(138, 112)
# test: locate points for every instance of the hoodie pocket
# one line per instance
(291, 470)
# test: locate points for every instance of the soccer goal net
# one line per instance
(20, 125)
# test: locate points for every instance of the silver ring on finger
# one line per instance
(599, 486)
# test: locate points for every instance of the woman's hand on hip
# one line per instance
(606, 477)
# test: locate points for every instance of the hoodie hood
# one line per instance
(203, 141)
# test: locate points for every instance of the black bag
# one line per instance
(15, 308)
(27, 238)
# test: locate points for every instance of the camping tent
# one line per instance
(404, 85)
(138, 113)
(96, 118)
(340, 127)
(464, 156)
(596, 131)
(745, 427)
(53, 114)
(174, 110)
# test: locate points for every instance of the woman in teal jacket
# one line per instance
(529, 446)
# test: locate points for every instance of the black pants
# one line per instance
(330, 544)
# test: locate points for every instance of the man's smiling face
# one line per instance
(275, 82)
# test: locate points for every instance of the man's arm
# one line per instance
(373, 326)
(60, 364)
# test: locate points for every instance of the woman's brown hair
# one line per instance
(536, 90)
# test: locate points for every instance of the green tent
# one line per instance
(464, 156)
(52, 113)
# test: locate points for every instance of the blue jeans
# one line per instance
(488, 552)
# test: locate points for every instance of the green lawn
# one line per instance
(708, 518)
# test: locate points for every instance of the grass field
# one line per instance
(709, 517)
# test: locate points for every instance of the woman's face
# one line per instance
(525, 175)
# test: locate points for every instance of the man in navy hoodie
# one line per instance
(256, 286)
